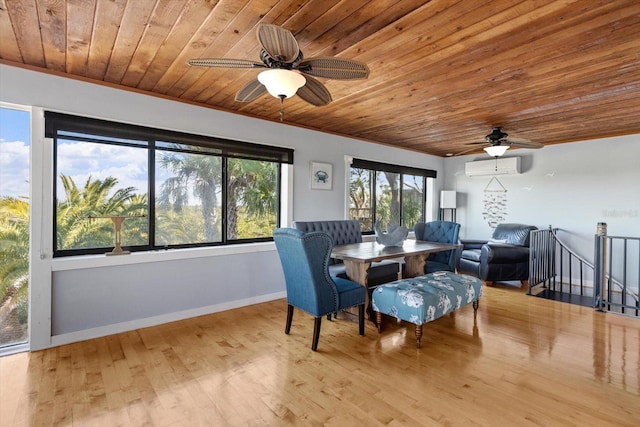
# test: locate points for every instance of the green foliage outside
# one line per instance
(251, 203)
(200, 175)
(360, 207)
(14, 269)
(179, 228)
(77, 226)
(387, 201)
(412, 192)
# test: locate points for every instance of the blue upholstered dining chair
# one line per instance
(442, 232)
(305, 262)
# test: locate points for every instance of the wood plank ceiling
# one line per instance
(442, 72)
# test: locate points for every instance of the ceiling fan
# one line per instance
(287, 72)
(497, 143)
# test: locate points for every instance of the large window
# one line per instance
(166, 189)
(391, 194)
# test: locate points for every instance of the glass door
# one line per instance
(14, 228)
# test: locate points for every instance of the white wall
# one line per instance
(84, 297)
(570, 186)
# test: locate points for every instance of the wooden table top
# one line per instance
(373, 251)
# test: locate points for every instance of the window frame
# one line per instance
(378, 167)
(59, 122)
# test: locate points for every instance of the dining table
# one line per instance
(358, 257)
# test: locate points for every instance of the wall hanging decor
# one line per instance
(321, 175)
(494, 203)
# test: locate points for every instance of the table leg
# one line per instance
(414, 265)
(358, 271)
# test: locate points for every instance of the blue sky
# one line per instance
(14, 125)
(14, 152)
(81, 160)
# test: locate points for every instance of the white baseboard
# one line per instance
(116, 328)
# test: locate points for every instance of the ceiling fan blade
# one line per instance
(334, 68)
(251, 91)
(279, 43)
(469, 150)
(523, 144)
(518, 139)
(314, 92)
(225, 63)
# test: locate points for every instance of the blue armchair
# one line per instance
(442, 232)
(305, 262)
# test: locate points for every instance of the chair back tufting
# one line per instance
(441, 232)
(342, 231)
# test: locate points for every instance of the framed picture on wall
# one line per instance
(321, 176)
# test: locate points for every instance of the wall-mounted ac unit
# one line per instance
(501, 166)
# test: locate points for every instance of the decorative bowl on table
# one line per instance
(394, 236)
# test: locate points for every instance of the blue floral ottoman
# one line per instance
(425, 298)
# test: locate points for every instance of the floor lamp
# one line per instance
(448, 203)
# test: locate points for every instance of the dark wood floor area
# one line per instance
(523, 361)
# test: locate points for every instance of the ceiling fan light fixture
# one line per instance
(281, 83)
(496, 150)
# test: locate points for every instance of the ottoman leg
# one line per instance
(379, 321)
(418, 335)
(475, 305)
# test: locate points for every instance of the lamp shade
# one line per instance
(447, 200)
(281, 83)
(496, 150)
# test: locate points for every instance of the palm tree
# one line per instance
(74, 227)
(14, 269)
(201, 172)
(252, 190)
(135, 231)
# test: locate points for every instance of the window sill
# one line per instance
(93, 261)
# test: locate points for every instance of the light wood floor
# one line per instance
(526, 361)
